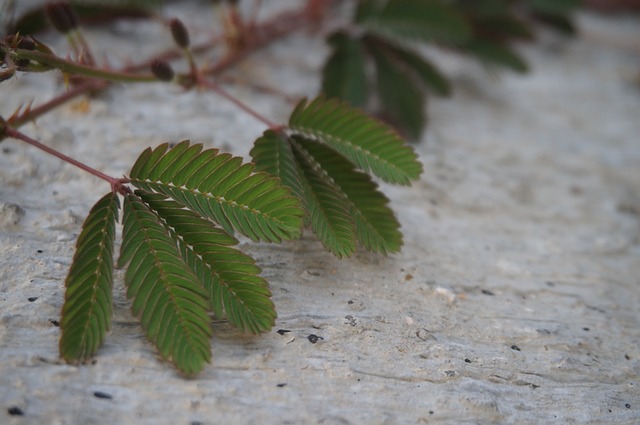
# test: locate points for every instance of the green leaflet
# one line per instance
(403, 101)
(376, 226)
(495, 54)
(344, 73)
(166, 293)
(343, 204)
(221, 188)
(229, 276)
(425, 20)
(272, 154)
(368, 143)
(330, 215)
(504, 26)
(554, 7)
(86, 315)
(425, 71)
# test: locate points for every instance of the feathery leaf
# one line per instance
(86, 315)
(344, 73)
(167, 295)
(330, 215)
(402, 101)
(554, 7)
(429, 74)
(272, 154)
(370, 144)
(377, 228)
(425, 20)
(221, 188)
(495, 54)
(229, 276)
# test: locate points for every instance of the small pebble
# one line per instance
(15, 411)
(100, 394)
(314, 338)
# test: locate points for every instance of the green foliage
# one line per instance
(368, 143)
(344, 75)
(229, 276)
(86, 315)
(389, 33)
(167, 295)
(318, 156)
(180, 266)
(222, 189)
(425, 20)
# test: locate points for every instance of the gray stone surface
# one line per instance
(515, 298)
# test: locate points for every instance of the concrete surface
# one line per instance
(514, 301)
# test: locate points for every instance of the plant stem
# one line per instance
(246, 108)
(116, 184)
(32, 114)
(261, 35)
(69, 67)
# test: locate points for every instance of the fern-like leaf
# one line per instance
(221, 188)
(425, 20)
(370, 144)
(554, 7)
(86, 315)
(402, 99)
(377, 228)
(330, 216)
(424, 70)
(167, 295)
(229, 276)
(496, 54)
(272, 154)
(344, 73)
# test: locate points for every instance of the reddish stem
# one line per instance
(116, 184)
(246, 108)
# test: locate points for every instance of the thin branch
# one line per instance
(48, 60)
(116, 184)
(246, 108)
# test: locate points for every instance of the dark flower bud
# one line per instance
(162, 70)
(62, 16)
(26, 43)
(180, 33)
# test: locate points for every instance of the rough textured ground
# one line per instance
(514, 300)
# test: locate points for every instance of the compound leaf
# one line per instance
(425, 20)
(496, 54)
(221, 188)
(229, 276)
(377, 228)
(344, 73)
(86, 315)
(403, 101)
(331, 220)
(167, 295)
(370, 144)
(428, 73)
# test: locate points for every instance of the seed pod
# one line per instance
(179, 33)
